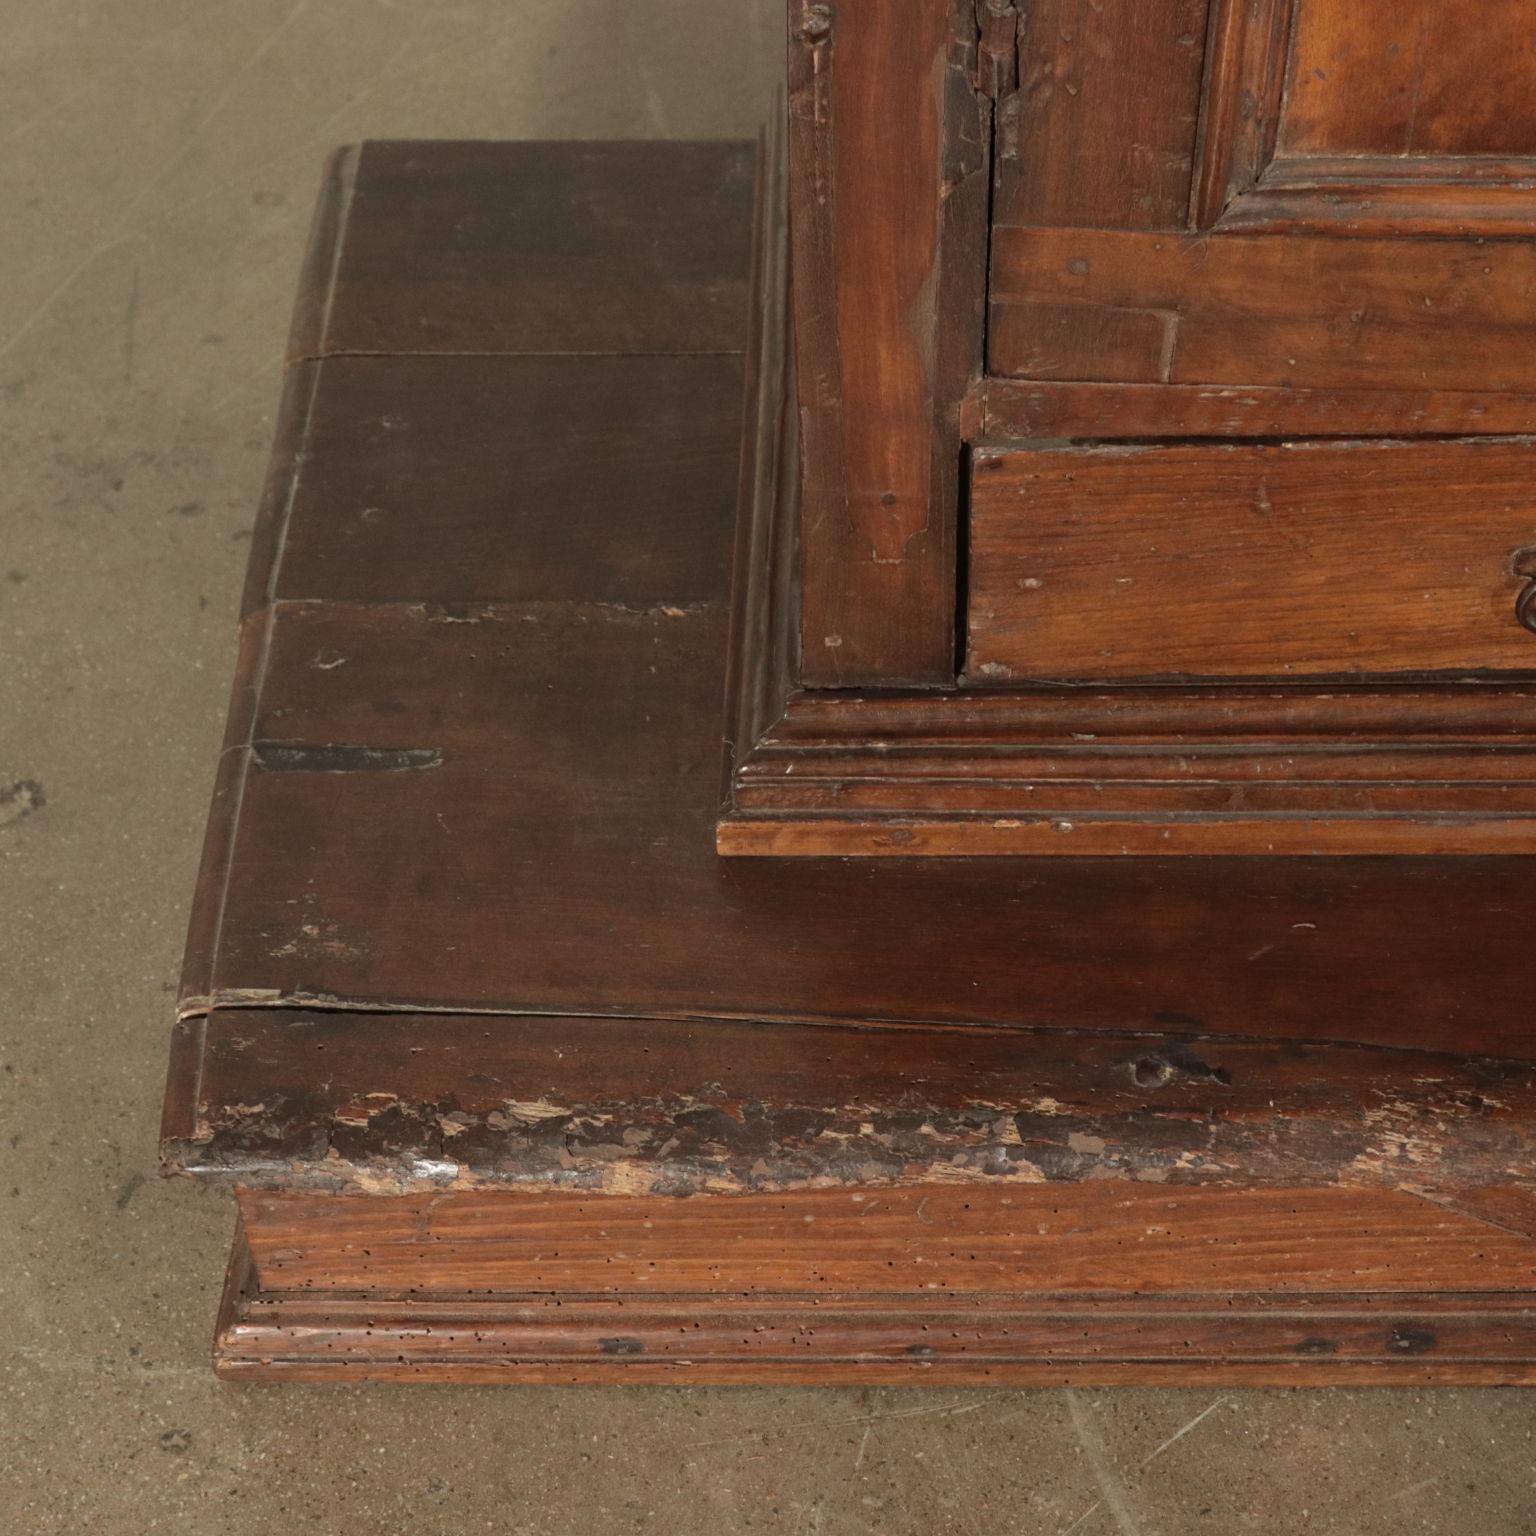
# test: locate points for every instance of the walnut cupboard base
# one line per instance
(515, 1080)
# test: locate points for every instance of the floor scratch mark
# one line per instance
(115, 236)
(1116, 1496)
(1092, 1508)
(817, 1426)
(131, 324)
(1178, 1435)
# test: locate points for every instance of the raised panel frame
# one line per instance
(1245, 183)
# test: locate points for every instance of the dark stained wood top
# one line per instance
(480, 480)
(538, 247)
(509, 807)
(463, 840)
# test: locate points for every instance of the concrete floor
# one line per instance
(157, 163)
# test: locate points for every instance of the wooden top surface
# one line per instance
(474, 764)
(469, 248)
(507, 806)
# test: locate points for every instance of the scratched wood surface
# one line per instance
(527, 760)
(462, 937)
(533, 788)
(1084, 98)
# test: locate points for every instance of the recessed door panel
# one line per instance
(1417, 77)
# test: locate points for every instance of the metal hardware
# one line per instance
(1525, 604)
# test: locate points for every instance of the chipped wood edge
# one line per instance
(955, 1104)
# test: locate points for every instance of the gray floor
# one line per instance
(157, 163)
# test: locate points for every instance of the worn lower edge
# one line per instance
(1298, 836)
(968, 1104)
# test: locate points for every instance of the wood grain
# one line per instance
(501, 457)
(922, 1338)
(1240, 105)
(468, 988)
(1243, 561)
(1180, 827)
(1332, 767)
(889, 254)
(1301, 311)
(1042, 341)
(1124, 128)
(559, 857)
(1411, 80)
(1323, 117)
(962, 1242)
(1018, 408)
(1102, 133)
(525, 248)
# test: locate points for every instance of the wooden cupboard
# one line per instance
(1140, 457)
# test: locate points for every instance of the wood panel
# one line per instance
(533, 247)
(553, 851)
(460, 882)
(407, 256)
(889, 154)
(1301, 311)
(1276, 561)
(925, 1337)
(1046, 341)
(1416, 78)
(1102, 133)
(959, 1241)
(499, 457)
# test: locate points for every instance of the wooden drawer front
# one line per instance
(1300, 559)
